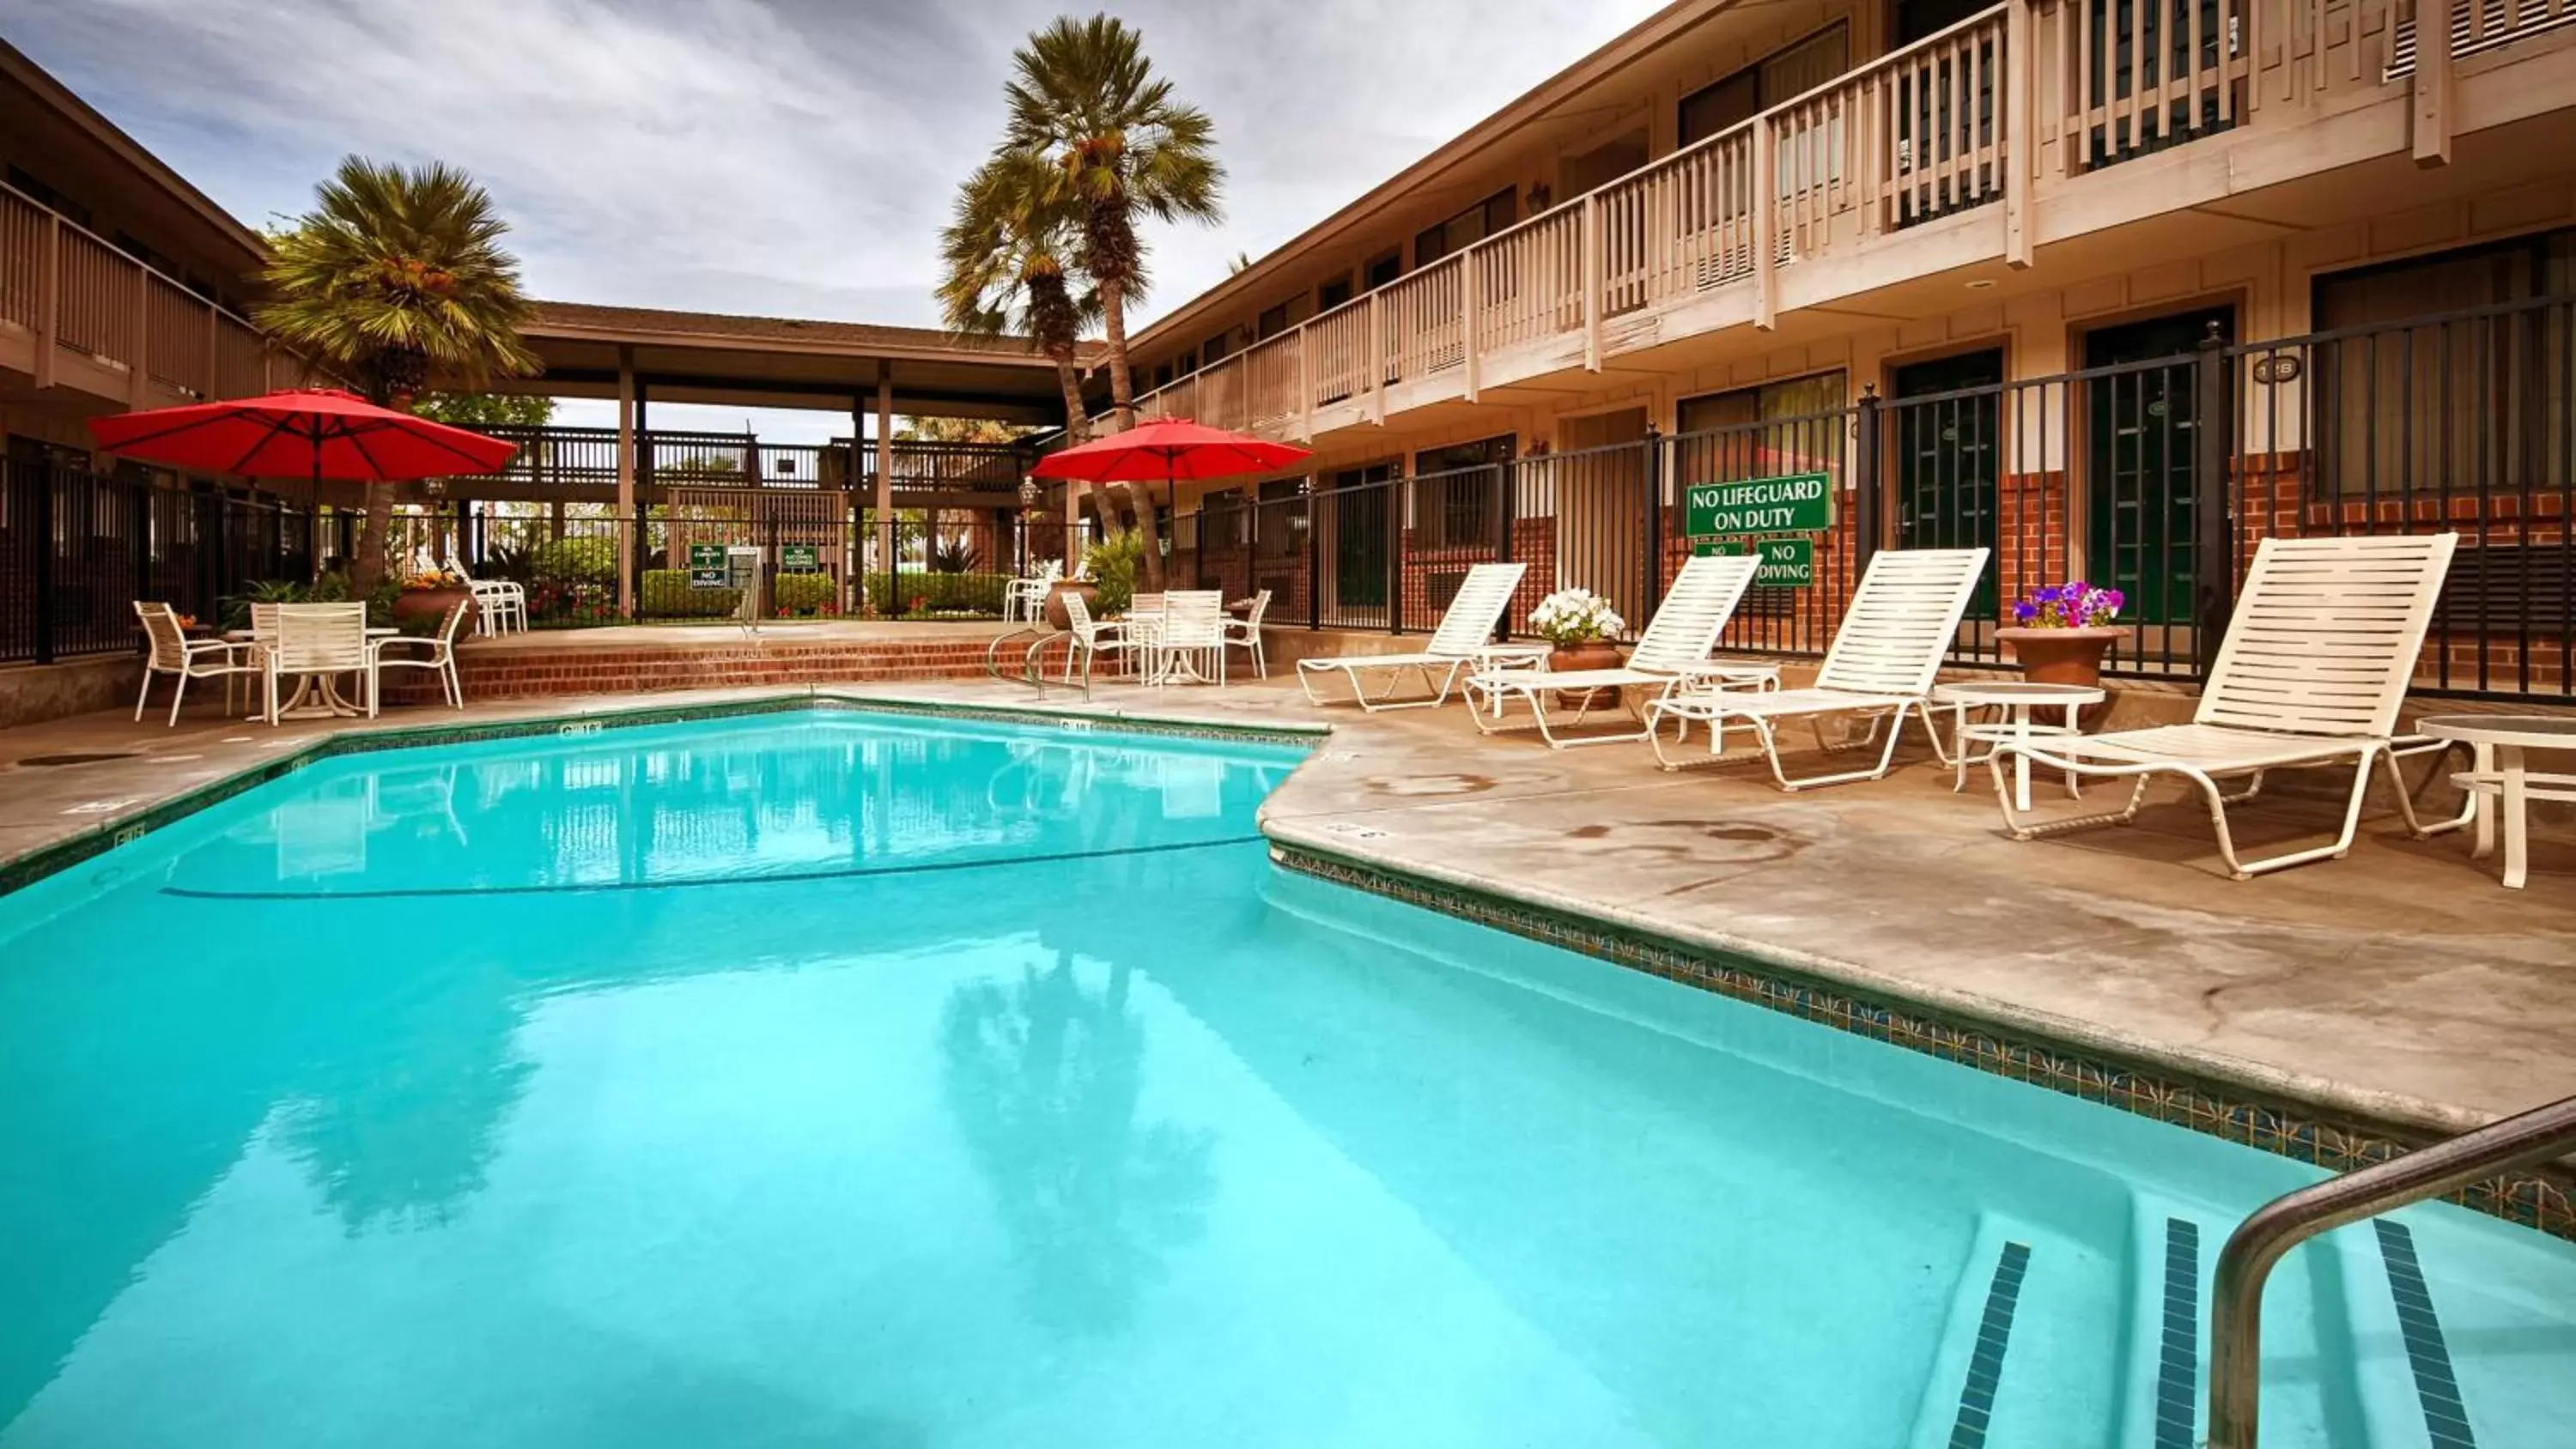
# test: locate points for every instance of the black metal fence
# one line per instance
(2156, 475)
(77, 548)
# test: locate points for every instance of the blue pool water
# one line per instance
(845, 1080)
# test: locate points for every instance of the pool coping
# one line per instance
(2325, 1123)
(362, 737)
(2306, 1119)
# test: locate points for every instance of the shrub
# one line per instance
(1113, 564)
(969, 594)
(589, 560)
(667, 595)
(516, 562)
(804, 593)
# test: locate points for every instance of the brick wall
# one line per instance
(523, 671)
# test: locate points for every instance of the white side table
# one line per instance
(2497, 742)
(2016, 698)
(1493, 661)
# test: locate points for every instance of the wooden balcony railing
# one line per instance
(2006, 106)
(78, 312)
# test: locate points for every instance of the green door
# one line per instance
(1363, 514)
(1948, 453)
(2141, 465)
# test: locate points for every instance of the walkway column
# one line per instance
(885, 481)
(625, 476)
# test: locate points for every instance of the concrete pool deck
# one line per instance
(2402, 985)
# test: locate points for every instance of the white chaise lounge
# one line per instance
(1671, 654)
(1881, 666)
(2313, 672)
(1464, 632)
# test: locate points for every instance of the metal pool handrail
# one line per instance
(2236, 1308)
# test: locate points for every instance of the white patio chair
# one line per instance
(320, 640)
(1884, 658)
(437, 652)
(2313, 672)
(1088, 639)
(173, 653)
(1189, 640)
(1464, 632)
(1245, 634)
(1672, 654)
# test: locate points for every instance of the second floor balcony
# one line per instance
(84, 316)
(2030, 124)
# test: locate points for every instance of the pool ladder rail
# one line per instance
(2543, 1134)
(1039, 635)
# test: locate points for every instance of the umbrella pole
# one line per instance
(313, 514)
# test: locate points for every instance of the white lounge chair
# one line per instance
(2313, 672)
(173, 652)
(1881, 666)
(1670, 655)
(1465, 632)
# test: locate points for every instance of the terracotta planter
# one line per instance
(1056, 617)
(2061, 656)
(1592, 654)
(419, 609)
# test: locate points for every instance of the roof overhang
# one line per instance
(697, 357)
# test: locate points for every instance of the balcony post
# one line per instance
(1305, 383)
(888, 607)
(1376, 362)
(2018, 84)
(1592, 283)
(1467, 310)
(1766, 225)
(49, 301)
(214, 338)
(626, 481)
(2432, 82)
(138, 378)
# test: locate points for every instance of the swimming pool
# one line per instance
(849, 1079)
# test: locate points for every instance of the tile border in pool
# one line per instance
(31, 866)
(2540, 1198)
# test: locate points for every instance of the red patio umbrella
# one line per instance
(1165, 450)
(312, 433)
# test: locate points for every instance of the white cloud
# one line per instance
(772, 156)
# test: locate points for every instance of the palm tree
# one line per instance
(1005, 253)
(396, 275)
(1087, 101)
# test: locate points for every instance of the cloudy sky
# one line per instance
(785, 157)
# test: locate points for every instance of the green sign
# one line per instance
(1787, 563)
(1797, 503)
(799, 558)
(707, 566)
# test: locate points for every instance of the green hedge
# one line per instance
(667, 595)
(979, 593)
(803, 593)
(575, 561)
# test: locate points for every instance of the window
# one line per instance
(1272, 322)
(1213, 351)
(1332, 294)
(1793, 426)
(1385, 269)
(1457, 492)
(2416, 403)
(1281, 532)
(1793, 70)
(43, 195)
(1468, 227)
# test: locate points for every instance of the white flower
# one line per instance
(1572, 616)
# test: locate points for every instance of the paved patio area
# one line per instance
(2402, 983)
